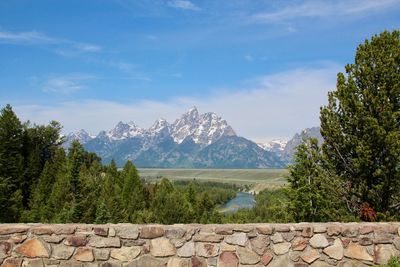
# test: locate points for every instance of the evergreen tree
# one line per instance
(361, 125)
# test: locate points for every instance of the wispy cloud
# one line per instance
(271, 106)
(323, 9)
(64, 46)
(66, 84)
(183, 4)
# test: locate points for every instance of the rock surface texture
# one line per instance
(124, 245)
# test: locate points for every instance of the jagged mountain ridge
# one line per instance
(192, 141)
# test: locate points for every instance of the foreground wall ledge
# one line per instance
(225, 245)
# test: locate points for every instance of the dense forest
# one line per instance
(353, 175)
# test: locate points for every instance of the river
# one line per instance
(243, 200)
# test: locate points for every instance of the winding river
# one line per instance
(243, 200)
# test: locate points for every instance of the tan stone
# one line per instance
(223, 230)
(282, 227)
(227, 247)
(277, 238)
(33, 263)
(264, 229)
(32, 248)
(267, 258)
(101, 231)
(307, 231)
(319, 228)
(281, 248)
(198, 262)
(299, 243)
(62, 229)
(228, 259)
(310, 255)
(101, 254)
(247, 256)
(382, 253)
(237, 239)
(319, 241)
(147, 260)
(61, 252)
(111, 232)
(398, 231)
(75, 240)
(162, 247)
(366, 229)
(152, 231)
(246, 228)
(125, 253)
(52, 238)
(334, 230)
(336, 250)
(127, 231)
(396, 242)
(356, 251)
(187, 250)
(213, 238)
(178, 242)
(42, 230)
(383, 238)
(175, 233)
(12, 263)
(84, 254)
(114, 264)
(207, 250)
(177, 262)
(7, 229)
(104, 242)
(320, 264)
(259, 244)
(17, 239)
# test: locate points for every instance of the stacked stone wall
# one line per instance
(120, 245)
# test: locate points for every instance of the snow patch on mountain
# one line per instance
(276, 145)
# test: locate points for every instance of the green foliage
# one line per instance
(393, 262)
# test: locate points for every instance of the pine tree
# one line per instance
(361, 125)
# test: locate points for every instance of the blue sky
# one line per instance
(264, 65)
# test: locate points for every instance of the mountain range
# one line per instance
(192, 141)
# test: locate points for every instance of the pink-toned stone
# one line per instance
(42, 230)
(243, 228)
(299, 243)
(198, 262)
(152, 231)
(358, 252)
(265, 229)
(13, 229)
(307, 231)
(382, 253)
(207, 250)
(228, 259)
(187, 250)
(223, 230)
(282, 228)
(310, 255)
(178, 262)
(84, 254)
(17, 239)
(75, 240)
(267, 258)
(101, 231)
(366, 229)
(345, 242)
(5, 249)
(63, 229)
(259, 244)
(32, 248)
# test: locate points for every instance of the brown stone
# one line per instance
(5, 249)
(281, 248)
(259, 244)
(282, 228)
(366, 229)
(84, 254)
(310, 255)
(223, 230)
(247, 256)
(213, 238)
(187, 250)
(198, 262)
(264, 229)
(267, 258)
(101, 231)
(75, 240)
(127, 232)
(382, 253)
(104, 242)
(228, 259)
(52, 238)
(383, 238)
(207, 250)
(334, 230)
(240, 239)
(133, 242)
(12, 263)
(13, 229)
(162, 247)
(101, 254)
(42, 230)
(243, 228)
(336, 250)
(125, 253)
(33, 263)
(299, 243)
(175, 233)
(365, 241)
(345, 242)
(32, 248)
(307, 231)
(61, 252)
(350, 230)
(358, 252)
(115, 264)
(152, 231)
(63, 229)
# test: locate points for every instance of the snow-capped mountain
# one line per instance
(193, 140)
(276, 145)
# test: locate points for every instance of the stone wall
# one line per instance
(304, 244)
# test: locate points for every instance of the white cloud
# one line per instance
(66, 84)
(183, 4)
(68, 47)
(324, 9)
(271, 106)
(248, 58)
